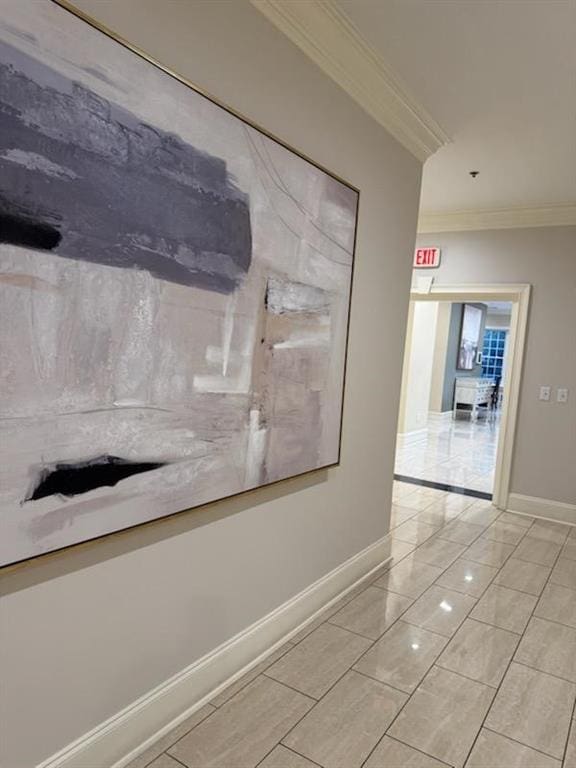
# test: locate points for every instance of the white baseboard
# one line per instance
(440, 417)
(558, 511)
(124, 736)
(404, 439)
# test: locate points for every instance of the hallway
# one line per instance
(255, 255)
(460, 453)
(461, 652)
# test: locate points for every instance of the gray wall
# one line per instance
(451, 372)
(87, 631)
(545, 445)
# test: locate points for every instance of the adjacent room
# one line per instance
(453, 383)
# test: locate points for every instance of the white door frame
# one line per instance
(519, 295)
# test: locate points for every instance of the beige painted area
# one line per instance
(545, 442)
(86, 632)
(440, 353)
(417, 372)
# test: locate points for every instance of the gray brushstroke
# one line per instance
(289, 296)
(99, 75)
(132, 195)
(34, 162)
(22, 34)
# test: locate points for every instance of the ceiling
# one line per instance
(499, 76)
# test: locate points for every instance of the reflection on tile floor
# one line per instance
(461, 453)
(462, 652)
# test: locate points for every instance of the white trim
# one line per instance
(404, 439)
(519, 295)
(327, 36)
(558, 511)
(556, 215)
(472, 292)
(440, 417)
(124, 736)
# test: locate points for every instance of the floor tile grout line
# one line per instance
(493, 565)
(416, 749)
(571, 726)
(367, 582)
(542, 672)
(165, 751)
(417, 543)
(522, 591)
(417, 626)
(467, 677)
(460, 592)
(496, 626)
(532, 562)
(324, 695)
(314, 699)
(435, 632)
(400, 594)
(391, 723)
(454, 589)
(507, 670)
(553, 621)
(219, 709)
(218, 706)
(295, 751)
(386, 732)
(382, 682)
(170, 756)
(371, 639)
(290, 749)
(505, 736)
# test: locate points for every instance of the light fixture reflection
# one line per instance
(415, 646)
(468, 577)
(445, 606)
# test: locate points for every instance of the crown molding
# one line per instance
(559, 215)
(326, 35)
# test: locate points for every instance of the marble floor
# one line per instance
(459, 652)
(461, 453)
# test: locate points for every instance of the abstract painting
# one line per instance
(469, 337)
(175, 287)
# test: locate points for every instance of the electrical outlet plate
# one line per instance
(561, 395)
(544, 394)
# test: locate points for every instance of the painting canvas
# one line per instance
(175, 289)
(469, 337)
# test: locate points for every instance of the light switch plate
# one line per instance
(561, 395)
(544, 393)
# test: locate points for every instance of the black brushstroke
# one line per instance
(24, 231)
(120, 192)
(73, 478)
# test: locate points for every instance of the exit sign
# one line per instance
(426, 258)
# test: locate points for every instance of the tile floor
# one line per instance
(461, 453)
(460, 652)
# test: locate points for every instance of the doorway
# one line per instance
(460, 384)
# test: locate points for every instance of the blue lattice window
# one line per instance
(493, 353)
